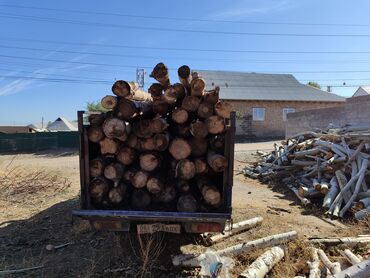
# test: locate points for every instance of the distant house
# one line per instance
(262, 101)
(61, 124)
(362, 91)
(16, 129)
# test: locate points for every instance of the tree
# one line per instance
(314, 84)
(95, 106)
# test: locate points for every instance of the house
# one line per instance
(61, 124)
(262, 101)
(362, 91)
(16, 129)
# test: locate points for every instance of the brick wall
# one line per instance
(355, 111)
(273, 125)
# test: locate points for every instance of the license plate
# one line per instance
(158, 227)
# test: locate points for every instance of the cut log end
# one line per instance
(109, 102)
(215, 124)
(179, 148)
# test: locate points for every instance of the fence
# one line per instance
(33, 142)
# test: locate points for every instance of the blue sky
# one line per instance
(51, 57)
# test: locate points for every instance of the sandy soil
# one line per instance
(24, 232)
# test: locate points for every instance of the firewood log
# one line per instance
(95, 134)
(361, 270)
(132, 141)
(149, 162)
(160, 107)
(332, 193)
(128, 109)
(210, 193)
(333, 267)
(190, 103)
(126, 155)
(182, 186)
(156, 91)
(155, 185)
(352, 258)
(215, 124)
(217, 143)
(96, 119)
(197, 86)
(174, 94)
(198, 146)
(167, 195)
(97, 167)
(187, 203)
(160, 73)
(201, 166)
(212, 96)
(314, 265)
(147, 144)
(185, 169)
(198, 129)
(141, 129)
(139, 179)
(161, 141)
(223, 109)
(217, 162)
(180, 92)
(108, 146)
(109, 102)
(117, 194)
(128, 175)
(179, 148)
(130, 90)
(181, 130)
(363, 203)
(98, 189)
(362, 214)
(184, 76)
(114, 171)
(114, 128)
(158, 125)
(264, 263)
(140, 199)
(179, 115)
(205, 110)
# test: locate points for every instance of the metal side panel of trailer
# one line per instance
(124, 220)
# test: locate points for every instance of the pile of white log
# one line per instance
(330, 168)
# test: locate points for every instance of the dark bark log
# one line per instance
(140, 179)
(179, 148)
(223, 109)
(114, 171)
(187, 203)
(95, 134)
(128, 109)
(167, 195)
(147, 145)
(128, 175)
(180, 92)
(184, 76)
(180, 115)
(114, 128)
(132, 141)
(126, 155)
(160, 107)
(130, 90)
(117, 194)
(190, 103)
(201, 166)
(182, 186)
(199, 129)
(96, 119)
(121, 88)
(156, 91)
(197, 86)
(217, 162)
(108, 146)
(140, 199)
(215, 124)
(205, 110)
(149, 162)
(142, 129)
(98, 189)
(158, 125)
(182, 130)
(185, 169)
(155, 185)
(210, 193)
(212, 96)
(109, 102)
(161, 141)
(160, 73)
(198, 146)
(217, 143)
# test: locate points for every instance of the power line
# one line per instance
(183, 18)
(166, 29)
(182, 49)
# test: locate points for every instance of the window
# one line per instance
(286, 111)
(259, 114)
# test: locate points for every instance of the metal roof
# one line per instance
(262, 86)
(61, 124)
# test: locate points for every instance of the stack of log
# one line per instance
(162, 149)
(330, 168)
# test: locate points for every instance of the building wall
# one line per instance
(273, 125)
(356, 111)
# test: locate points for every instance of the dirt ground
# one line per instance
(25, 231)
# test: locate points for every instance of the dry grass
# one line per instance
(30, 186)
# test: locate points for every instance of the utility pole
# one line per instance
(42, 122)
(140, 77)
(328, 89)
